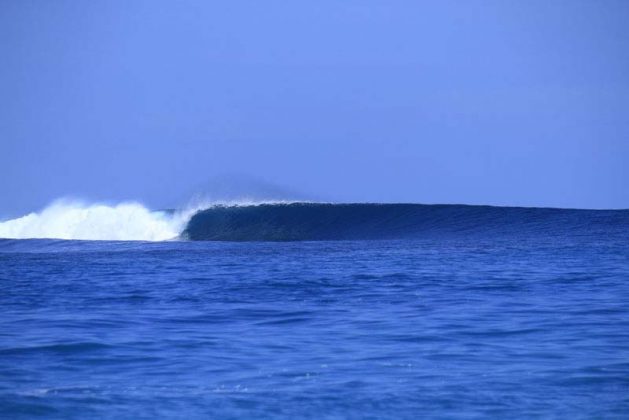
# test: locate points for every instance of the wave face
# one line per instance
(318, 221)
(71, 220)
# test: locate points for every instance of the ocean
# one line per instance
(315, 311)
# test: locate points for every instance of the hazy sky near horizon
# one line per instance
(479, 102)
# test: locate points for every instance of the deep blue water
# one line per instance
(519, 323)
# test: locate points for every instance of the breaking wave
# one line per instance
(286, 221)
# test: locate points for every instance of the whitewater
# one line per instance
(81, 221)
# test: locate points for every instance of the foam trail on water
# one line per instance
(74, 220)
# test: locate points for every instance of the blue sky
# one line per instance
(479, 102)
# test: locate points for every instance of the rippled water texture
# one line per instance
(502, 327)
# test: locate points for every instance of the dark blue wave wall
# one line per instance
(319, 221)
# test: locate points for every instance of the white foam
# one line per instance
(75, 220)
